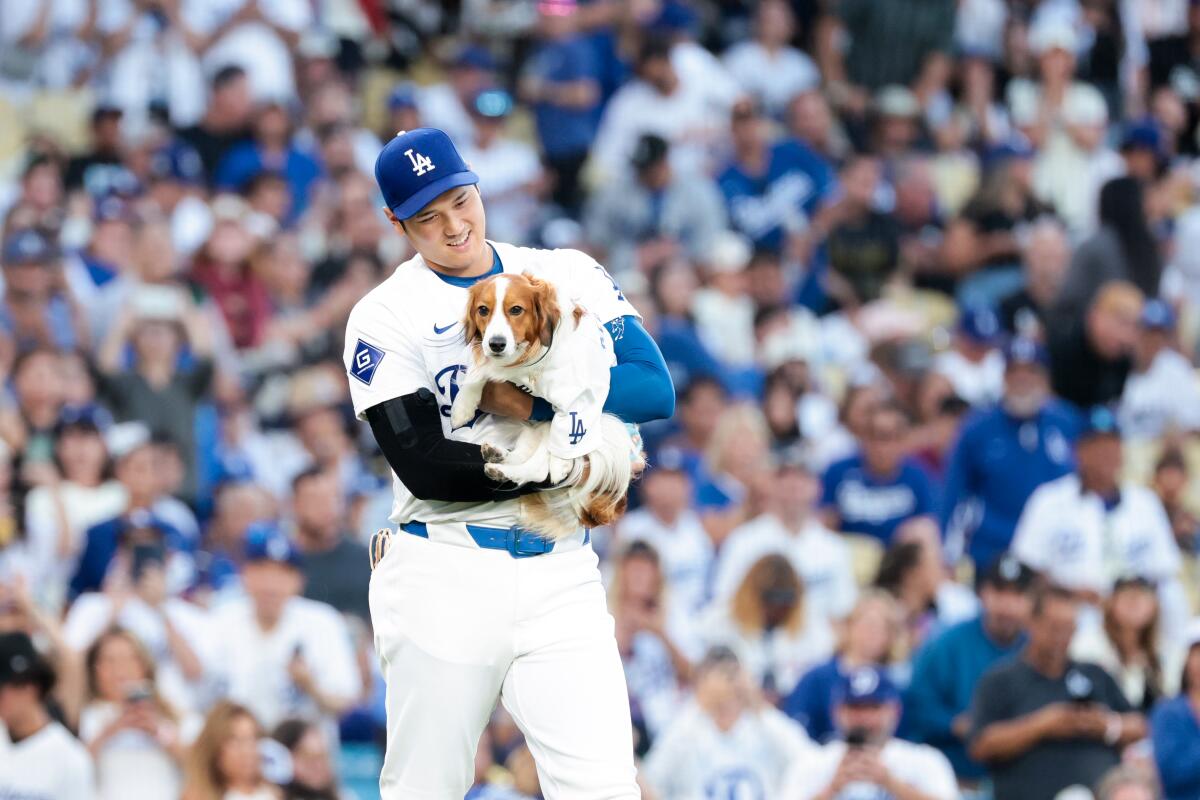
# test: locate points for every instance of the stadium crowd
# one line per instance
(927, 277)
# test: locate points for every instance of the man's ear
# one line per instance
(398, 224)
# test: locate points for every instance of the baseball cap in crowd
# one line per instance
(864, 686)
(475, 57)
(493, 103)
(729, 252)
(106, 110)
(266, 542)
(125, 438)
(417, 166)
(1014, 147)
(669, 459)
(1100, 421)
(29, 246)
(649, 150)
(979, 324)
(1006, 572)
(20, 662)
(88, 417)
(1142, 135)
(177, 161)
(1084, 105)
(1157, 315)
(1025, 351)
(1053, 34)
(112, 208)
(404, 95)
(718, 656)
(897, 101)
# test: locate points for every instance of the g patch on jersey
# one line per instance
(366, 361)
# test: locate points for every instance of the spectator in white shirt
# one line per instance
(727, 742)
(39, 758)
(723, 310)
(767, 66)
(224, 762)
(445, 105)
(1162, 393)
(137, 739)
(283, 655)
(975, 365)
(868, 760)
(790, 527)
(1086, 530)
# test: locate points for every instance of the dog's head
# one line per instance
(510, 318)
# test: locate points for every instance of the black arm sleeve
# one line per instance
(432, 467)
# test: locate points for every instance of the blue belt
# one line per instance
(519, 543)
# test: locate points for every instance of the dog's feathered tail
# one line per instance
(600, 496)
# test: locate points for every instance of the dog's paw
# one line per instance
(495, 472)
(493, 454)
(461, 414)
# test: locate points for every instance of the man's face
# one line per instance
(16, 700)
(1100, 459)
(701, 412)
(234, 98)
(450, 231)
(877, 719)
(1026, 387)
(796, 489)
(884, 442)
(271, 585)
(1006, 611)
(1051, 631)
(659, 73)
(667, 492)
(137, 472)
(319, 503)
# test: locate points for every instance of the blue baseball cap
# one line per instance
(979, 323)
(1012, 148)
(29, 246)
(1142, 135)
(143, 520)
(177, 161)
(1100, 421)
(416, 167)
(864, 686)
(475, 57)
(1026, 351)
(266, 542)
(404, 95)
(88, 416)
(112, 208)
(1157, 315)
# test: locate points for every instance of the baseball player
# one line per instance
(468, 608)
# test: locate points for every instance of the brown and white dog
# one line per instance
(518, 332)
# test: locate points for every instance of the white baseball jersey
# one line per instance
(406, 334)
(49, 765)
(695, 760)
(917, 765)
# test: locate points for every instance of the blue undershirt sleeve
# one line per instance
(640, 387)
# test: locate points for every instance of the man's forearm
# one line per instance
(1004, 741)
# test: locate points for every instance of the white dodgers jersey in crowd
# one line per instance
(406, 334)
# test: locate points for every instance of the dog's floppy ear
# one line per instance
(545, 305)
(471, 331)
(604, 509)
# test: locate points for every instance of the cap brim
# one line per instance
(429, 193)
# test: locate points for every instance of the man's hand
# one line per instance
(1091, 721)
(506, 400)
(1059, 721)
(960, 726)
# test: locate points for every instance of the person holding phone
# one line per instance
(867, 760)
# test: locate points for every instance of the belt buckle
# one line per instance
(516, 537)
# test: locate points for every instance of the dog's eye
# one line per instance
(516, 311)
(482, 311)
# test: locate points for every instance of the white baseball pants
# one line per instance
(457, 627)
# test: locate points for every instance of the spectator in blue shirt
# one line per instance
(272, 150)
(1175, 729)
(876, 490)
(772, 188)
(561, 82)
(1006, 452)
(948, 667)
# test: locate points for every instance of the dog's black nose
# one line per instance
(496, 344)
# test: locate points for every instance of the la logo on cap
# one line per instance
(421, 164)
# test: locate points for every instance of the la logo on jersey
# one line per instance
(421, 164)
(577, 429)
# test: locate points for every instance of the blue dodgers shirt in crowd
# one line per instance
(995, 466)
(764, 207)
(876, 505)
(564, 131)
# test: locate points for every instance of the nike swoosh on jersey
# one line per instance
(438, 331)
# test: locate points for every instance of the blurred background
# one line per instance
(926, 276)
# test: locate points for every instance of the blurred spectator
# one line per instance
(654, 214)
(726, 741)
(790, 528)
(222, 268)
(38, 203)
(224, 763)
(769, 623)
(177, 635)
(1175, 727)
(876, 490)
(1129, 644)
(1091, 354)
(772, 186)
(1043, 722)
(1123, 249)
(446, 104)
(507, 166)
(1003, 454)
(1162, 392)
(102, 169)
(38, 309)
(1046, 255)
(272, 150)
(40, 757)
(1170, 484)
(767, 66)
(974, 363)
(868, 638)
(283, 655)
(672, 287)
(946, 671)
(1128, 782)
(655, 668)
(867, 757)
(668, 523)
(226, 121)
(337, 569)
(561, 82)
(137, 739)
(723, 310)
(864, 243)
(313, 776)
(1086, 530)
